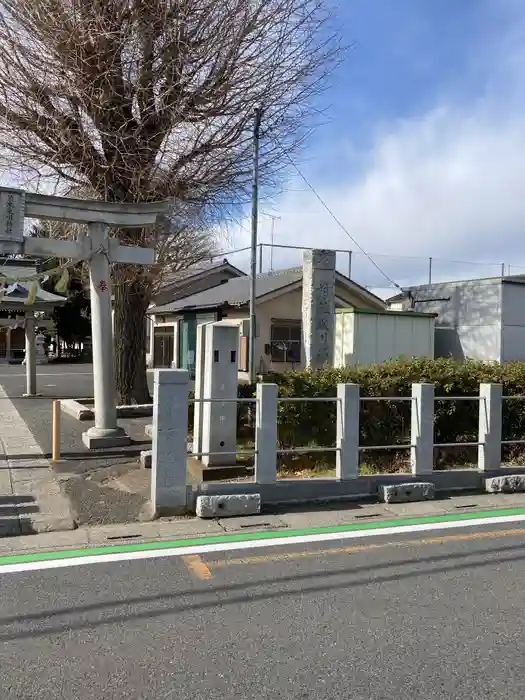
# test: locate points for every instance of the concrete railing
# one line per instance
(169, 490)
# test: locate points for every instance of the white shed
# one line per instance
(481, 319)
(364, 337)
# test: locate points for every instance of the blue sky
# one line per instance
(424, 151)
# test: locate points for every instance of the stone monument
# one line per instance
(40, 350)
(215, 423)
(318, 321)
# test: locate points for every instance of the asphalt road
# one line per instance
(54, 381)
(63, 382)
(440, 619)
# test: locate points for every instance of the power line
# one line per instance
(340, 224)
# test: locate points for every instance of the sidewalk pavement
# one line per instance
(294, 518)
(31, 500)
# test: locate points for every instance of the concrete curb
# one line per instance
(142, 410)
(82, 412)
(324, 490)
(77, 410)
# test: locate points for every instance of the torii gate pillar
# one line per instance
(105, 432)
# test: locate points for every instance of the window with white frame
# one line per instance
(285, 341)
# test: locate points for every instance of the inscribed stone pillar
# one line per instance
(318, 307)
(219, 381)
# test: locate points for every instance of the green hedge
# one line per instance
(388, 422)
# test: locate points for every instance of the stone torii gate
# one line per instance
(99, 250)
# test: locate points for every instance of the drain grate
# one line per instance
(250, 525)
(368, 515)
(124, 537)
(467, 505)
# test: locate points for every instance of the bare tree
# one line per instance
(142, 100)
(185, 236)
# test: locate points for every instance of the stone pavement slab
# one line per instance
(328, 516)
(414, 510)
(252, 523)
(69, 539)
(5, 480)
(500, 500)
(125, 532)
(31, 500)
(189, 527)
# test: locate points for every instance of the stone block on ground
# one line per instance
(407, 493)
(511, 483)
(141, 410)
(145, 459)
(77, 410)
(228, 506)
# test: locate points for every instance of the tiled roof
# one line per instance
(18, 293)
(181, 276)
(234, 292)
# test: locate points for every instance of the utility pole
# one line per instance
(253, 262)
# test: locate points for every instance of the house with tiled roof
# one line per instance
(279, 313)
(192, 280)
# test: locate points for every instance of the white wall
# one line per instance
(513, 322)
(368, 338)
(343, 339)
(468, 323)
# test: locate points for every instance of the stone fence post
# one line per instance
(422, 429)
(490, 427)
(347, 455)
(266, 434)
(170, 435)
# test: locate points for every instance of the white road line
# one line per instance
(252, 544)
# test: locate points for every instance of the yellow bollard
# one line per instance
(56, 431)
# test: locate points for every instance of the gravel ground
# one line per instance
(108, 495)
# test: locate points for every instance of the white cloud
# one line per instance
(449, 184)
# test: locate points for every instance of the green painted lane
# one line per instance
(252, 536)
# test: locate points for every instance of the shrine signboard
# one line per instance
(12, 211)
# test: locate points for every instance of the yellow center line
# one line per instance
(287, 556)
(197, 567)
